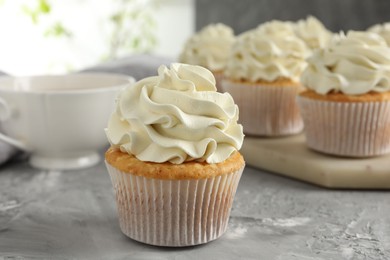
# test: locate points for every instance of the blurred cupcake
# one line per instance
(262, 75)
(383, 30)
(346, 108)
(209, 48)
(313, 33)
(174, 160)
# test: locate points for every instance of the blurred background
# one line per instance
(53, 36)
(335, 14)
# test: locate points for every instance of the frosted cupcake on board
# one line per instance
(174, 160)
(262, 75)
(209, 48)
(346, 108)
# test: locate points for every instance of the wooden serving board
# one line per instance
(289, 156)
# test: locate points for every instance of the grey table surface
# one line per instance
(72, 215)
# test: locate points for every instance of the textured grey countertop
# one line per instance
(72, 215)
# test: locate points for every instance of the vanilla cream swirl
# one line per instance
(353, 64)
(383, 30)
(209, 48)
(268, 52)
(176, 117)
(313, 33)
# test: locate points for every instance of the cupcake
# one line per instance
(262, 75)
(174, 160)
(383, 30)
(346, 107)
(313, 33)
(209, 48)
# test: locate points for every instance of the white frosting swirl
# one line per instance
(209, 48)
(268, 52)
(313, 33)
(276, 27)
(176, 116)
(383, 30)
(353, 64)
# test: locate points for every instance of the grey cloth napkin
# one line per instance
(138, 66)
(6, 151)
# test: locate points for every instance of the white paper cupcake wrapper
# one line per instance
(218, 79)
(355, 129)
(173, 212)
(266, 110)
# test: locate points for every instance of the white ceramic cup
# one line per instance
(60, 119)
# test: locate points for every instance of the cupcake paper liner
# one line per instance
(173, 212)
(266, 110)
(353, 129)
(218, 75)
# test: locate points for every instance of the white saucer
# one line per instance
(64, 163)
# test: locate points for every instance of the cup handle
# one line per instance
(5, 114)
